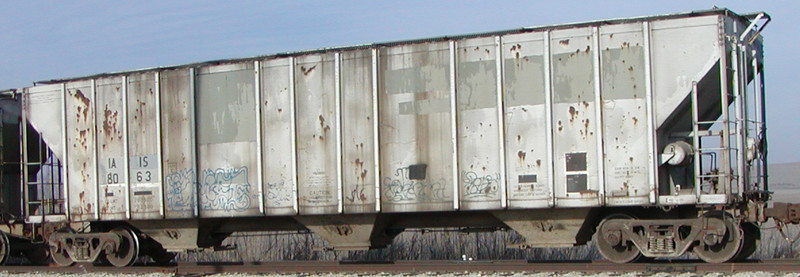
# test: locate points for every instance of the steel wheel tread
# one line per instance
(625, 252)
(729, 247)
(60, 256)
(127, 252)
(5, 248)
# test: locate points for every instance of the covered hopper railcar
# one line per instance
(648, 132)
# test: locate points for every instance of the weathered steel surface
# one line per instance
(358, 145)
(672, 82)
(143, 148)
(46, 98)
(479, 157)
(226, 141)
(177, 137)
(317, 174)
(278, 140)
(526, 124)
(552, 116)
(577, 175)
(625, 117)
(81, 159)
(415, 146)
(111, 140)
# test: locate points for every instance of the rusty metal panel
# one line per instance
(317, 136)
(178, 143)
(278, 137)
(527, 161)
(111, 162)
(415, 128)
(478, 135)
(81, 152)
(143, 147)
(574, 108)
(226, 141)
(625, 132)
(358, 146)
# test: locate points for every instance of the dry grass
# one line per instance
(439, 245)
(413, 245)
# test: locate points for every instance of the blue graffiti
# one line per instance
(480, 187)
(180, 187)
(404, 189)
(226, 189)
(278, 194)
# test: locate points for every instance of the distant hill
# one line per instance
(785, 174)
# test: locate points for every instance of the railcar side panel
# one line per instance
(358, 147)
(317, 136)
(672, 86)
(417, 168)
(43, 108)
(178, 142)
(625, 117)
(577, 173)
(479, 155)
(672, 77)
(81, 152)
(143, 147)
(44, 111)
(226, 141)
(527, 132)
(278, 138)
(111, 145)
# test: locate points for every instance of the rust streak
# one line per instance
(307, 71)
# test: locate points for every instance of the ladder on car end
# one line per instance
(742, 169)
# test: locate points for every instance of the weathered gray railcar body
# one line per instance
(536, 126)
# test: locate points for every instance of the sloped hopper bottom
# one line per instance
(350, 232)
(548, 228)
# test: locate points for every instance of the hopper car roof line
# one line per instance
(718, 11)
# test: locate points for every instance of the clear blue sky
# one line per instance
(57, 39)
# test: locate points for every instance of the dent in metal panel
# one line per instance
(624, 115)
(226, 134)
(527, 164)
(316, 134)
(411, 73)
(180, 175)
(279, 181)
(43, 110)
(144, 174)
(574, 112)
(81, 151)
(357, 134)
(478, 139)
(111, 165)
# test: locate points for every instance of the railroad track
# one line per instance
(424, 266)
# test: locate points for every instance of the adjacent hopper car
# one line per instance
(646, 135)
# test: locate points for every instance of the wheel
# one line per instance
(60, 255)
(127, 251)
(37, 254)
(5, 248)
(612, 246)
(752, 234)
(727, 247)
